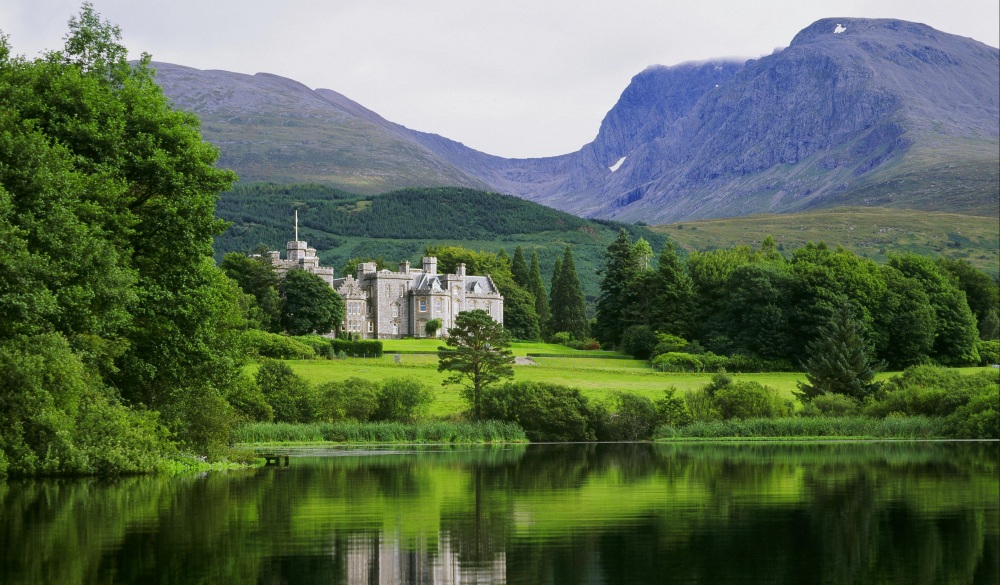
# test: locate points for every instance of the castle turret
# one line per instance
(430, 264)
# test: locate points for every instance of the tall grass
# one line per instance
(381, 432)
(892, 427)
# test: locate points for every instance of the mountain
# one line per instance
(853, 112)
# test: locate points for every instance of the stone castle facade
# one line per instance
(381, 304)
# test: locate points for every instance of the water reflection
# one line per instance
(639, 513)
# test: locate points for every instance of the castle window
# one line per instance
(395, 328)
(395, 310)
(437, 305)
(388, 290)
(423, 305)
(488, 310)
(370, 328)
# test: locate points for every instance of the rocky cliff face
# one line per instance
(853, 111)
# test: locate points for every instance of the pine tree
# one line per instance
(568, 306)
(621, 266)
(674, 295)
(537, 287)
(838, 360)
(519, 269)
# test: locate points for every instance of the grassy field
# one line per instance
(596, 378)
(870, 232)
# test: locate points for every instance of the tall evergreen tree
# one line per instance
(568, 306)
(519, 269)
(621, 267)
(838, 361)
(537, 287)
(674, 295)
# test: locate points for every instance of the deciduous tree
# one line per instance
(478, 355)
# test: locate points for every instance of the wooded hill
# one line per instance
(871, 232)
(399, 225)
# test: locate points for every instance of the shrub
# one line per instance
(627, 417)
(979, 418)
(750, 363)
(401, 400)
(672, 409)
(248, 402)
(562, 337)
(830, 405)
(289, 395)
(713, 363)
(667, 343)
(357, 347)
(546, 412)
(750, 400)
(275, 346)
(320, 345)
(929, 391)
(677, 362)
(353, 399)
(638, 341)
(701, 406)
(989, 352)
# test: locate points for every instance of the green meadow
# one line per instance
(596, 374)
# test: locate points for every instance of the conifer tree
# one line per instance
(537, 287)
(519, 269)
(621, 266)
(568, 306)
(674, 294)
(838, 360)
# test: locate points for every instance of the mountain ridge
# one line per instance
(853, 112)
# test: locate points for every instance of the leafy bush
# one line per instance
(701, 405)
(893, 427)
(672, 409)
(320, 345)
(401, 400)
(668, 343)
(678, 362)
(357, 347)
(627, 417)
(830, 405)
(489, 431)
(289, 395)
(350, 399)
(989, 352)
(562, 337)
(750, 364)
(275, 346)
(546, 412)
(749, 399)
(979, 418)
(248, 402)
(638, 341)
(930, 391)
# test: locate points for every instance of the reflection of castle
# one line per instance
(384, 304)
(374, 560)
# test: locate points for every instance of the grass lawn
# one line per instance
(595, 377)
(520, 348)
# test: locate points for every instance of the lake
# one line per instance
(715, 513)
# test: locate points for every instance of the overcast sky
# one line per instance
(514, 78)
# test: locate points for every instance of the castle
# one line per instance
(382, 304)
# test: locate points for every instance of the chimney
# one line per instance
(430, 264)
(404, 267)
(460, 270)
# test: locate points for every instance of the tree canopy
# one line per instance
(477, 355)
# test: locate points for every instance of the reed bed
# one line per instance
(892, 427)
(381, 432)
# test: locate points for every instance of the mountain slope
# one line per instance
(854, 112)
(275, 129)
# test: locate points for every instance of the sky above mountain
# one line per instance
(515, 78)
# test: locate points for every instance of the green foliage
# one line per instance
(432, 327)
(290, 397)
(401, 400)
(479, 355)
(930, 391)
(989, 352)
(273, 345)
(614, 304)
(666, 343)
(638, 341)
(57, 418)
(489, 431)
(893, 427)
(672, 409)
(750, 399)
(256, 276)
(309, 304)
(981, 292)
(368, 348)
(838, 360)
(567, 305)
(673, 294)
(546, 412)
(678, 362)
(351, 399)
(627, 417)
(321, 346)
(537, 288)
(831, 405)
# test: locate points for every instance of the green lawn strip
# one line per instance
(519, 348)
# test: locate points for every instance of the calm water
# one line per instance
(908, 513)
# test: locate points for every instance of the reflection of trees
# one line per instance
(866, 513)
